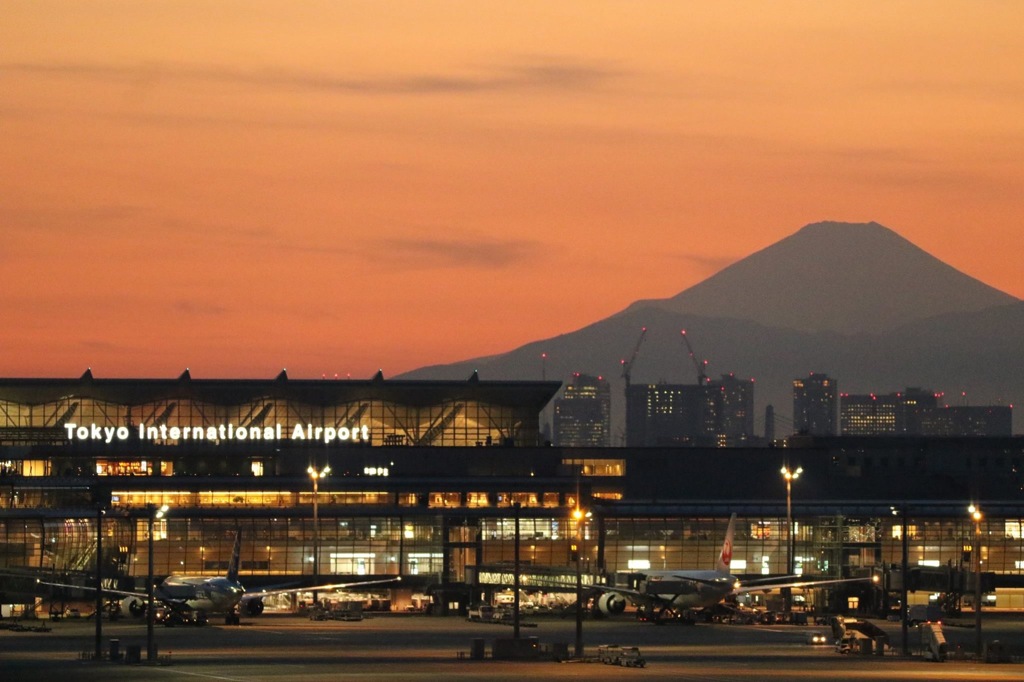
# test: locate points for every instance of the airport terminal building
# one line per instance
(429, 481)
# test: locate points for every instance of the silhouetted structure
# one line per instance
(670, 414)
(916, 412)
(583, 415)
(733, 400)
(719, 413)
(814, 405)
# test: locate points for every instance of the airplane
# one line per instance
(664, 594)
(189, 598)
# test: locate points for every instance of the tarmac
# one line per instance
(292, 648)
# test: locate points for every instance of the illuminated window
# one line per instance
(525, 499)
(35, 467)
(598, 467)
(476, 500)
(445, 500)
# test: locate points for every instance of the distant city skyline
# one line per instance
(340, 188)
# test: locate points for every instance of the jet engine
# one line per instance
(611, 604)
(253, 607)
(136, 606)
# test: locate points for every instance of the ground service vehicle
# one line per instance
(613, 654)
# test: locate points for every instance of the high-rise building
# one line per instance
(913, 403)
(670, 414)
(734, 410)
(967, 420)
(583, 413)
(814, 405)
(869, 415)
(916, 412)
(894, 414)
(720, 413)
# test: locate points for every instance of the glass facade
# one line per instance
(455, 423)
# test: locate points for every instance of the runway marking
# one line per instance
(206, 675)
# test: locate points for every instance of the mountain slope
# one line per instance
(845, 277)
(921, 323)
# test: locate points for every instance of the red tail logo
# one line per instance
(727, 553)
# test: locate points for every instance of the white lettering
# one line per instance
(218, 433)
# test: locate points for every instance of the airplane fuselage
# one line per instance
(198, 593)
(688, 589)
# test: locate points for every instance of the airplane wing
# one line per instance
(765, 586)
(250, 594)
(92, 588)
(260, 593)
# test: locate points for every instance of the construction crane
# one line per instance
(702, 377)
(627, 369)
(627, 365)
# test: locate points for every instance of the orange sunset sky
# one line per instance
(337, 187)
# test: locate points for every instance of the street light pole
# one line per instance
(904, 587)
(99, 583)
(517, 508)
(153, 513)
(977, 516)
(316, 475)
(580, 516)
(789, 475)
(904, 561)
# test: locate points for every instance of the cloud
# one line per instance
(535, 73)
(96, 345)
(104, 217)
(447, 253)
(199, 308)
(709, 264)
(978, 89)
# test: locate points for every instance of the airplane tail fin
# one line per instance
(725, 558)
(236, 556)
